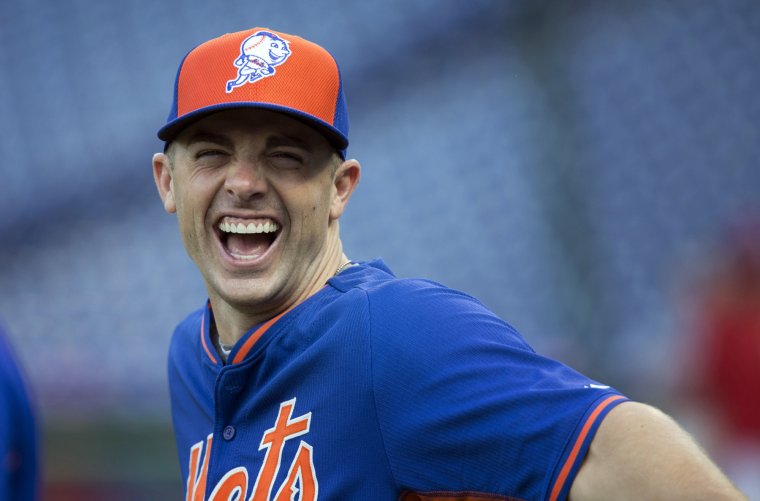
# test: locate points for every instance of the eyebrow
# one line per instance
(201, 137)
(283, 140)
(273, 141)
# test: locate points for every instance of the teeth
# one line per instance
(244, 257)
(250, 228)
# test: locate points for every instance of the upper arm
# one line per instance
(641, 453)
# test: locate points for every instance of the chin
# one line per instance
(242, 293)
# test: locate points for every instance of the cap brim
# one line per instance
(169, 131)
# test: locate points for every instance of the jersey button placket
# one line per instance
(228, 433)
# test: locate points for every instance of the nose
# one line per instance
(245, 180)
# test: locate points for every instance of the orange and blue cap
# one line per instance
(265, 69)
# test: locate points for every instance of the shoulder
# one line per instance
(416, 323)
(426, 312)
(398, 295)
(415, 310)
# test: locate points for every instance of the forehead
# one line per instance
(250, 124)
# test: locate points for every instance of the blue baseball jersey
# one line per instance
(378, 388)
(18, 432)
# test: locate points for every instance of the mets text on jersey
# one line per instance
(234, 484)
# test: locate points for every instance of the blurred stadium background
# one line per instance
(575, 165)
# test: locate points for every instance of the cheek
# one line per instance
(304, 201)
(184, 211)
(308, 205)
(186, 223)
(192, 205)
(309, 219)
(319, 207)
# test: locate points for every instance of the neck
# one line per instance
(233, 321)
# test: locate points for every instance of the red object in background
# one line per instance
(732, 369)
(730, 375)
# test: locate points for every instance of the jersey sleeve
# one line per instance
(465, 405)
(19, 455)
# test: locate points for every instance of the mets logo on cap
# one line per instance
(259, 54)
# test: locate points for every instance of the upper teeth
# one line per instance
(267, 227)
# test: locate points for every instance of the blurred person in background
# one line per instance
(723, 373)
(18, 432)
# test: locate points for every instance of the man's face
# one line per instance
(256, 200)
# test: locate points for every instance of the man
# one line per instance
(309, 376)
(18, 432)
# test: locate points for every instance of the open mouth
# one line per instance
(247, 239)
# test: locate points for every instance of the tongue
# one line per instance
(247, 244)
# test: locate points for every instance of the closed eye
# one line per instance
(286, 159)
(210, 157)
(285, 154)
(209, 153)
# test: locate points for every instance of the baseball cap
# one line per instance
(264, 69)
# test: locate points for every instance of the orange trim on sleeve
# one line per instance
(563, 474)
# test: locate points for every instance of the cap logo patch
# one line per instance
(259, 54)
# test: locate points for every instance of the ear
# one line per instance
(162, 174)
(346, 178)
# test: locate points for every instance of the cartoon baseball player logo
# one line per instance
(259, 54)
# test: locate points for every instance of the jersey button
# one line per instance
(228, 433)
